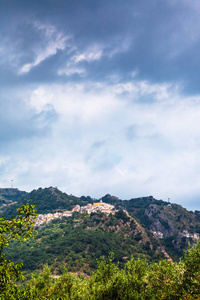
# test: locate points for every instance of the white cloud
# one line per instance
(53, 41)
(71, 70)
(160, 157)
(96, 51)
(41, 99)
(91, 54)
(73, 64)
(47, 42)
(104, 142)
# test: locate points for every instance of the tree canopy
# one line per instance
(18, 227)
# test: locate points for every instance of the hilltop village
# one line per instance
(89, 208)
(104, 208)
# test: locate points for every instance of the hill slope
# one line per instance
(172, 224)
(153, 228)
(47, 200)
(9, 197)
(77, 241)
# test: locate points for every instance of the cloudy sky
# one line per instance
(101, 97)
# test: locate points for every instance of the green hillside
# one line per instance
(162, 230)
(70, 247)
(173, 225)
(47, 200)
(76, 242)
(9, 197)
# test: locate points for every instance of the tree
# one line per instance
(18, 227)
(191, 276)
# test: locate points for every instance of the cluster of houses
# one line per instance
(194, 236)
(157, 234)
(89, 208)
(185, 233)
(99, 206)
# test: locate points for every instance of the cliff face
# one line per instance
(159, 222)
(171, 224)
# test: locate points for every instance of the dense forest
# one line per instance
(136, 280)
(78, 241)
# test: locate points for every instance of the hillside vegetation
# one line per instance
(47, 200)
(154, 228)
(78, 241)
(72, 257)
(137, 280)
(8, 197)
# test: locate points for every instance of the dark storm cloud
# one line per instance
(160, 45)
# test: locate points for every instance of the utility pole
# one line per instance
(12, 184)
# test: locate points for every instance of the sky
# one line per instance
(101, 97)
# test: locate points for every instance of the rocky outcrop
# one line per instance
(159, 222)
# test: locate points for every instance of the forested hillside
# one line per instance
(78, 241)
(47, 200)
(8, 197)
(125, 253)
(154, 228)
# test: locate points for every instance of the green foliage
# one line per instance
(47, 200)
(120, 214)
(136, 280)
(163, 280)
(8, 196)
(191, 276)
(78, 241)
(16, 228)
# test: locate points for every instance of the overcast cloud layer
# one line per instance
(101, 97)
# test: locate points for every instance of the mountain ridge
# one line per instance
(162, 229)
